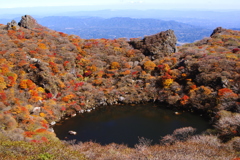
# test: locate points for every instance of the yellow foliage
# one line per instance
(29, 107)
(61, 84)
(117, 49)
(166, 67)
(22, 73)
(40, 89)
(51, 102)
(167, 82)
(35, 98)
(1, 79)
(3, 85)
(232, 57)
(42, 114)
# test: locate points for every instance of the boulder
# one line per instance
(158, 45)
(29, 22)
(219, 31)
(12, 25)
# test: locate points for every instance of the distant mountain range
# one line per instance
(203, 18)
(95, 27)
(117, 27)
(189, 25)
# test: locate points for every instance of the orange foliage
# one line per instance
(54, 67)
(115, 65)
(149, 65)
(23, 84)
(41, 130)
(29, 134)
(127, 72)
(68, 97)
(226, 92)
(42, 46)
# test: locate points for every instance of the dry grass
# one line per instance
(196, 148)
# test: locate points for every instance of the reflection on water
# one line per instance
(124, 124)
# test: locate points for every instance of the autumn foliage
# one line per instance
(46, 75)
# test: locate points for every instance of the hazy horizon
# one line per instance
(127, 4)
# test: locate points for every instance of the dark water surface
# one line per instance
(124, 124)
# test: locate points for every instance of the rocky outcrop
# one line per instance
(217, 31)
(29, 22)
(12, 25)
(158, 45)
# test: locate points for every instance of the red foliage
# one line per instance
(44, 139)
(63, 108)
(79, 57)
(166, 76)
(193, 87)
(52, 63)
(80, 84)
(87, 73)
(3, 52)
(184, 100)
(35, 141)
(185, 97)
(3, 96)
(32, 52)
(161, 67)
(65, 63)
(134, 72)
(12, 80)
(82, 104)
(32, 66)
(235, 50)
(49, 95)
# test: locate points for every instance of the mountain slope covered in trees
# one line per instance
(46, 75)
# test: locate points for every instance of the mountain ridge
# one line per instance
(118, 27)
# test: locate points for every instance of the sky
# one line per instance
(128, 4)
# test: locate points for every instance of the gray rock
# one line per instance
(29, 22)
(12, 25)
(158, 45)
